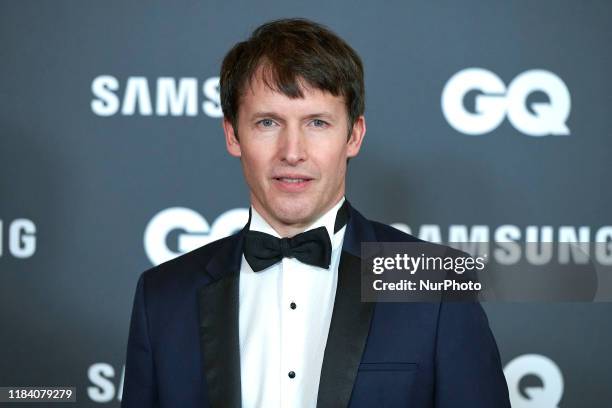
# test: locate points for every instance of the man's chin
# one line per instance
(294, 213)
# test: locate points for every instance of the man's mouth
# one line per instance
(292, 179)
(292, 183)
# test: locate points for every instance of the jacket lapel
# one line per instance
(218, 316)
(350, 321)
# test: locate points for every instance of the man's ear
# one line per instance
(231, 139)
(356, 137)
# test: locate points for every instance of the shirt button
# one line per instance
(293, 305)
(291, 374)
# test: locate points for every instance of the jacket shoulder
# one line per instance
(185, 268)
(387, 233)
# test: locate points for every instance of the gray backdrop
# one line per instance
(481, 114)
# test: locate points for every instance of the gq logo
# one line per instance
(189, 229)
(494, 101)
(545, 388)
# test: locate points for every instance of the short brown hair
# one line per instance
(291, 51)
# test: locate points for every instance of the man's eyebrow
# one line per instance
(276, 116)
(271, 115)
(325, 115)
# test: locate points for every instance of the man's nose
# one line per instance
(293, 146)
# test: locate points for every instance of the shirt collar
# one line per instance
(327, 220)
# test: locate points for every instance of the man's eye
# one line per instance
(266, 122)
(319, 123)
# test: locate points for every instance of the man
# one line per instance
(272, 316)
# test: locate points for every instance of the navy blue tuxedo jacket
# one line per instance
(183, 348)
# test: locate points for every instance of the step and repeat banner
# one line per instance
(487, 121)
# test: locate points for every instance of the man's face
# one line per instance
(293, 152)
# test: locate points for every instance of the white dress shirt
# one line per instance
(284, 316)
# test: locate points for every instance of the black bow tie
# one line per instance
(311, 247)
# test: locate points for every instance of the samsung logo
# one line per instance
(163, 96)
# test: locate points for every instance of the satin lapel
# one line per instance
(350, 321)
(218, 315)
(219, 341)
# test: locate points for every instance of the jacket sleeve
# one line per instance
(467, 363)
(139, 387)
